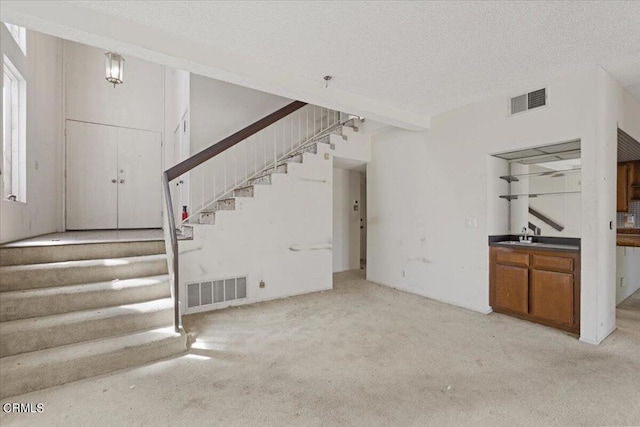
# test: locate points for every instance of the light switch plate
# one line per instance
(472, 222)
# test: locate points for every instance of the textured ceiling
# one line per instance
(423, 57)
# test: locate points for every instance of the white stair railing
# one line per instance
(264, 151)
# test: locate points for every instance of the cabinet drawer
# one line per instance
(512, 258)
(553, 263)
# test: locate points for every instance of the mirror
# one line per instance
(544, 190)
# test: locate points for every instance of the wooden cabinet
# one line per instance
(622, 199)
(628, 185)
(537, 285)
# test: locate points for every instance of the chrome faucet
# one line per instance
(525, 236)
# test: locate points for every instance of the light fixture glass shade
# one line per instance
(114, 68)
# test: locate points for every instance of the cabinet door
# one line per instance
(91, 170)
(634, 180)
(634, 173)
(139, 179)
(622, 202)
(511, 288)
(552, 296)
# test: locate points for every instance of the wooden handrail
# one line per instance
(212, 151)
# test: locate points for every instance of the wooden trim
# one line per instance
(217, 148)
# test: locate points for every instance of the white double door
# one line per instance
(113, 177)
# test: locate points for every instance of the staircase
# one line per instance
(229, 201)
(69, 312)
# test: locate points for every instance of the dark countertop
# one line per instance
(628, 237)
(556, 244)
(632, 240)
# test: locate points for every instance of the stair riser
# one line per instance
(263, 180)
(295, 159)
(44, 277)
(244, 192)
(25, 308)
(19, 379)
(59, 253)
(313, 149)
(226, 205)
(19, 342)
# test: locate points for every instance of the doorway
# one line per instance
(112, 177)
(628, 232)
(363, 220)
(349, 219)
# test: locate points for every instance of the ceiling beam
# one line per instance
(72, 22)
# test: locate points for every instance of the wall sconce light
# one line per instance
(114, 68)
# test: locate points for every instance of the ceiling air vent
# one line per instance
(528, 101)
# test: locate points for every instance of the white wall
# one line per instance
(346, 221)
(42, 69)
(137, 103)
(616, 108)
(281, 236)
(218, 109)
(424, 187)
(176, 103)
(352, 149)
(627, 272)
(176, 142)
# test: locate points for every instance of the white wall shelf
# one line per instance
(550, 174)
(510, 197)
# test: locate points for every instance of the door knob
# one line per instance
(113, 180)
(122, 181)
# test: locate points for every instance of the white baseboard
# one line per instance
(483, 310)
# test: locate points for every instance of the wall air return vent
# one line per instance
(216, 291)
(528, 101)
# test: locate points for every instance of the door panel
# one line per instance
(91, 186)
(139, 179)
(552, 296)
(512, 288)
(622, 199)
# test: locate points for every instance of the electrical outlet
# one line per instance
(403, 273)
(472, 222)
(262, 284)
(622, 282)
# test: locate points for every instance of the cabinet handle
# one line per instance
(122, 181)
(113, 180)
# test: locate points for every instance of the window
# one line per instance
(14, 90)
(19, 34)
